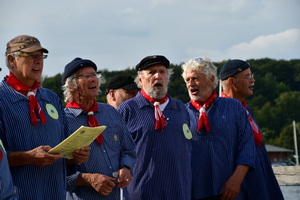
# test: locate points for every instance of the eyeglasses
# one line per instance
(32, 56)
(248, 76)
(87, 76)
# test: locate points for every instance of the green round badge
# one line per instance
(186, 131)
(52, 111)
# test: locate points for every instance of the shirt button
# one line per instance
(104, 151)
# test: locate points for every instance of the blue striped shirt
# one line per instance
(261, 183)
(117, 150)
(19, 134)
(7, 189)
(217, 153)
(163, 169)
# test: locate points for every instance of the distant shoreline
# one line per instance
(287, 175)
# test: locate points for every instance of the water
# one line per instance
(291, 192)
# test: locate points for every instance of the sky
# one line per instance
(117, 34)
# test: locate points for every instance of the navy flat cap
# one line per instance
(152, 60)
(232, 67)
(123, 81)
(75, 65)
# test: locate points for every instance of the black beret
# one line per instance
(123, 81)
(75, 65)
(152, 60)
(232, 67)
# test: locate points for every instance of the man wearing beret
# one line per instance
(237, 82)
(159, 126)
(120, 88)
(32, 120)
(113, 150)
(223, 146)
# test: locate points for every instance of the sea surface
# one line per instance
(291, 192)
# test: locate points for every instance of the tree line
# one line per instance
(275, 102)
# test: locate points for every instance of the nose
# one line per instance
(38, 60)
(157, 75)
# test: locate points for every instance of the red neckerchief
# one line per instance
(92, 121)
(203, 119)
(256, 132)
(159, 116)
(34, 106)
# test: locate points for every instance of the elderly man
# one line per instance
(159, 125)
(119, 89)
(32, 120)
(113, 151)
(223, 146)
(238, 81)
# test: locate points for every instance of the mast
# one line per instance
(295, 141)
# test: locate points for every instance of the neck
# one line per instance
(27, 82)
(232, 94)
(85, 103)
(204, 98)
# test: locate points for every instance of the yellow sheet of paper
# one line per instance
(83, 136)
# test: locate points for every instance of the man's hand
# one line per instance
(124, 177)
(81, 155)
(37, 156)
(101, 183)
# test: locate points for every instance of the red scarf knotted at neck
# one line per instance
(34, 106)
(92, 121)
(159, 116)
(256, 132)
(203, 119)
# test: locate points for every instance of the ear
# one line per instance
(212, 79)
(232, 83)
(112, 94)
(11, 60)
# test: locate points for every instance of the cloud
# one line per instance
(283, 45)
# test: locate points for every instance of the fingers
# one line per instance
(102, 183)
(81, 155)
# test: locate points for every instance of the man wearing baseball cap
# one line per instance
(238, 83)
(119, 89)
(159, 126)
(32, 121)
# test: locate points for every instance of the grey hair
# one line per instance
(15, 54)
(71, 83)
(201, 65)
(139, 74)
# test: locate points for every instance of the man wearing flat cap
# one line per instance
(159, 126)
(32, 121)
(111, 152)
(237, 82)
(119, 89)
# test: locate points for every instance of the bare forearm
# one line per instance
(240, 173)
(18, 158)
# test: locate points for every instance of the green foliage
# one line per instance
(54, 84)
(275, 103)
